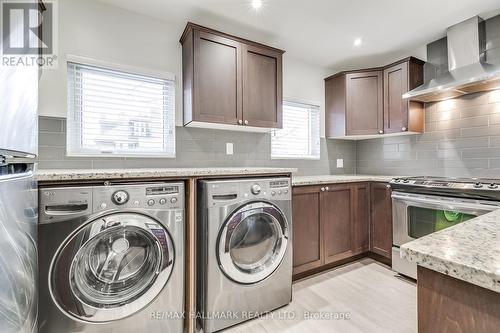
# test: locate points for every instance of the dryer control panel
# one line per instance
(224, 192)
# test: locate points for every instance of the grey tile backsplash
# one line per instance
(196, 148)
(461, 139)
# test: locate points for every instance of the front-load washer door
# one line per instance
(252, 242)
(111, 268)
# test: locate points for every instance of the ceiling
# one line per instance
(322, 32)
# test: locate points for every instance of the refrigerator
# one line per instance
(18, 198)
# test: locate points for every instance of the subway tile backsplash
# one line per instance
(461, 139)
(196, 148)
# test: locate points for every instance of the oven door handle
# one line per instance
(451, 206)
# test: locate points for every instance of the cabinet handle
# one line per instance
(322, 189)
(380, 132)
(246, 122)
(404, 129)
(240, 122)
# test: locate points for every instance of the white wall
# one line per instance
(106, 33)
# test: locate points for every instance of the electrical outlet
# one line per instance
(229, 148)
(340, 163)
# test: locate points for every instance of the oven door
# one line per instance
(417, 215)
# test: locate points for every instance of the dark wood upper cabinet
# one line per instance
(381, 220)
(307, 240)
(401, 115)
(367, 103)
(262, 89)
(364, 104)
(230, 81)
(217, 77)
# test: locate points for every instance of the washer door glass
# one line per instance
(253, 242)
(114, 267)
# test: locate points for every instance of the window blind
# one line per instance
(121, 114)
(300, 136)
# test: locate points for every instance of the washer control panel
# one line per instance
(140, 196)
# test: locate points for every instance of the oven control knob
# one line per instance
(255, 189)
(173, 200)
(162, 201)
(478, 185)
(151, 202)
(120, 197)
(493, 186)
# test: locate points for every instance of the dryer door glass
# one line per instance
(253, 242)
(113, 267)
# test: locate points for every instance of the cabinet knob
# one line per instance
(322, 189)
(388, 186)
(381, 132)
(240, 122)
(403, 129)
(246, 122)
(327, 188)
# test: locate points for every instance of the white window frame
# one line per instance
(85, 61)
(314, 107)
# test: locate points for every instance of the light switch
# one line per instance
(340, 163)
(229, 148)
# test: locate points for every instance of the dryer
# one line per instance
(244, 249)
(112, 258)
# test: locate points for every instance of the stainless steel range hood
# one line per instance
(457, 65)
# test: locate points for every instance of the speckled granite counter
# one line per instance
(96, 174)
(469, 251)
(333, 179)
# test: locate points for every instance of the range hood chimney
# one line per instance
(463, 70)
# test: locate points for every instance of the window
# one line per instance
(117, 113)
(299, 137)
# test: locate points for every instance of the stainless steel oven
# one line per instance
(423, 208)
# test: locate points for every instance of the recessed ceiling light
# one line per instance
(256, 4)
(358, 42)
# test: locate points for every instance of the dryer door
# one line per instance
(252, 242)
(111, 267)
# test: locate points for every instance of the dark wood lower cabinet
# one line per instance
(337, 220)
(333, 224)
(381, 220)
(449, 305)
(307, 241)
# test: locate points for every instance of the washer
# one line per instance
(111, 258)
(244, 251)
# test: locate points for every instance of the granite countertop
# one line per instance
(469, 251)
(332, 179)
(94, 174)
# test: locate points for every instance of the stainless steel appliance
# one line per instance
(423, 205)
(244, 249)
(112, 258)
(18, 194)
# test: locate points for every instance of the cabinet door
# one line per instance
(262, 87)
(381, 220)
(395, 107)
(217, 79)
(307, 242)
(336, 217)
(360, 225)
(364, 103)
